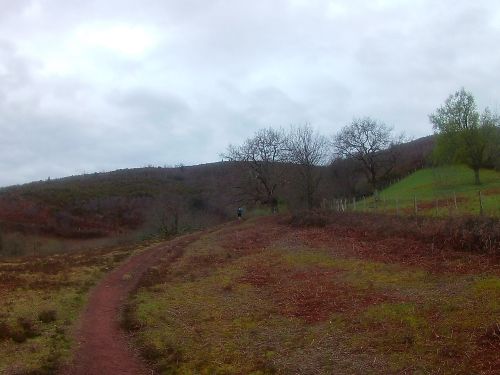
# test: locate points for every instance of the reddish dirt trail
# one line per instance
(103, 348)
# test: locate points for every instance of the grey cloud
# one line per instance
(219, 70)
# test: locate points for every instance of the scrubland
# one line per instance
(323, 294)
(41, 299)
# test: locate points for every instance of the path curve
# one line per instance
(103, 347)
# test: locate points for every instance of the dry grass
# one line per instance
(41, 300)
(467, 233)
(265, 298)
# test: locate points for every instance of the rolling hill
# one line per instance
(442, 190)
(134, 204)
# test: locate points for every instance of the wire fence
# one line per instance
(478, 203)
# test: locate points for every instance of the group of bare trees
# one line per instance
(271, 155)
(273, 158)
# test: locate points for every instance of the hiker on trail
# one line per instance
(240, 213)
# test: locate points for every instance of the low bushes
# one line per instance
(481, 234)
(5, 331)
(47, 316)
(465, 233)
(314, 218)
(19, 333)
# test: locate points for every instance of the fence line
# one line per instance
(443, 205)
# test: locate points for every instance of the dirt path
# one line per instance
(103, 348)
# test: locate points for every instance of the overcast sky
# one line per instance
(98, 85)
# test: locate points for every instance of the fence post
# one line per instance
(415, 204)
(455, 199)
(354, 203)
(397, 206)
(481, 210)
(437, 207)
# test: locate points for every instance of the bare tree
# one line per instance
(372, 144)
(307, 150)
(169, 209)
(262, 155)
(345, 176)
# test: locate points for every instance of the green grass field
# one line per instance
(435, 190)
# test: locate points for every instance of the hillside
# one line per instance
(103, 204)
(133, 204)
(362, 294)
(440, 191)
(107, 209)
(348, 180)
(263, 297)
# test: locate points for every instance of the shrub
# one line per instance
(476, 234)
(472, 233)
(5, 331)
(119, 257)
(30, 329)
(151, 352)
(47, 316)
(129, 321)
(314, 218)
(18, 336)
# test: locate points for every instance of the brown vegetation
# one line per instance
(357, 294)
(466, 233)
(104, 205)
(41, 299)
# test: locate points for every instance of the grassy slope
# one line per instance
(30, 286)
(264, 298)
(431, 184)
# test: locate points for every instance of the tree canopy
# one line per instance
(307, 150)
(261, 154)
(371, 143)
(463, 134)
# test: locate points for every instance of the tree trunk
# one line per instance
(274, 205)
(477, 181)
(310, 199)
(176, 223)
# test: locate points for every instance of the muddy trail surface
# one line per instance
(102, 346)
